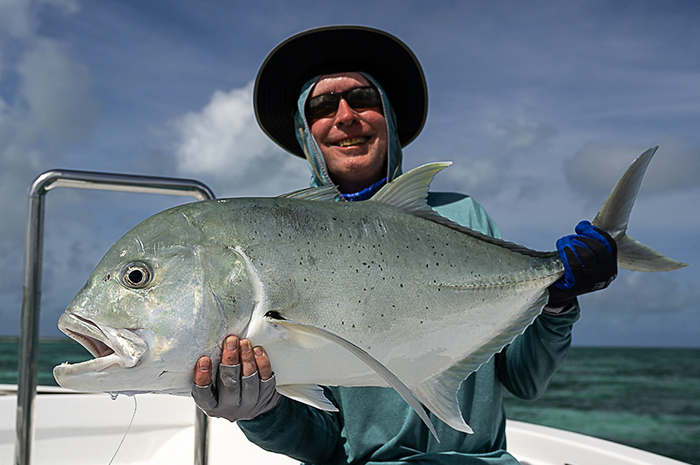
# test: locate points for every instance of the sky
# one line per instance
(540, 105)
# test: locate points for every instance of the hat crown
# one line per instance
(337, 49)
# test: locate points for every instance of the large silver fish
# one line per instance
(375, 293)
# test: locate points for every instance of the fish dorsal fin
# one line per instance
(409, 192)
(309, 331)
(328, 193)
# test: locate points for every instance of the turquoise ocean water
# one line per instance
(645, 398)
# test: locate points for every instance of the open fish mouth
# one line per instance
(111, 347)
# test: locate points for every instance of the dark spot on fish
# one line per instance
(275, 315)
(107, 278)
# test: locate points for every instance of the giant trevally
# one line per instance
(375, 293)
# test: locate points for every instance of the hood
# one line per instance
(317, 164)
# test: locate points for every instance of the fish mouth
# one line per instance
(111, 347)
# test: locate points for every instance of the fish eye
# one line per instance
(136, 275)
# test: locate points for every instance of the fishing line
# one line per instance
(126, 432)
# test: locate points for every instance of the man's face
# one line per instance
(353, 141)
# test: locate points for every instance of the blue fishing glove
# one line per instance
(590, 264)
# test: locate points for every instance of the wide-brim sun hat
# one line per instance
(337, 49)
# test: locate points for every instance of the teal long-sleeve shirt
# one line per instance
(375, 426)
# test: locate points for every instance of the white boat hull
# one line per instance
(87, 429)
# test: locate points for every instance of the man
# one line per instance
(350, 99)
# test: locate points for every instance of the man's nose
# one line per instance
(346, 113)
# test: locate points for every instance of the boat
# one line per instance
(52, 425)
(86, 429)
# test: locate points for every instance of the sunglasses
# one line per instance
(359, 98)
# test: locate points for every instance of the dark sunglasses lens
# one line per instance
(323, 105)
(363, 97)
(359, 98)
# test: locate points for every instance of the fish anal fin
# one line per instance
(440, 397)
(439, 393)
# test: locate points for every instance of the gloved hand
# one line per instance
(235, 394)
(590, 264)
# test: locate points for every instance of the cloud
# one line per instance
(53, 109)
(641, 309)
(597, 166)
(223, 142)
(46, 106)
(18, 18)
(56, 95)
(635, 294)
(513, 139)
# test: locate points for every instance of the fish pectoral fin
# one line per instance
(309, 394)
(305, 330)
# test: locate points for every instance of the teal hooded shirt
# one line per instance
(374, 425)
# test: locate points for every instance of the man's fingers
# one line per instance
(263, 363)
(248, 365)
(230, 352)
(202, 372)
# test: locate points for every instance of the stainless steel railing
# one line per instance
(31, 297)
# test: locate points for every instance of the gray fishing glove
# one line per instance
(235, 397)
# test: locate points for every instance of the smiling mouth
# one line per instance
(352, 141)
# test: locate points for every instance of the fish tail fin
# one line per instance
(614, 215)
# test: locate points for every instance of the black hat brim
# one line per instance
(336, 49)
